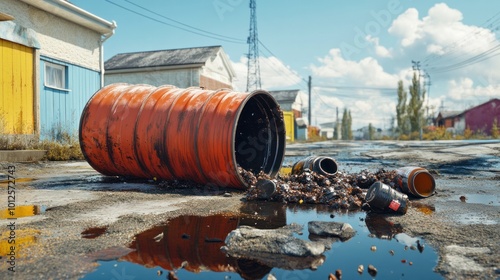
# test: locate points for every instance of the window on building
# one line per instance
(55, 75)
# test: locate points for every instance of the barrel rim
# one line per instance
(280, 155)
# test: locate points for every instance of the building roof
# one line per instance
(70, 12)
(482, 104)
(162, 58)
(285, 96)
(449, 114)
(328, 125)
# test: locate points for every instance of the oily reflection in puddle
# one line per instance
(380, 227)
(194, 242)
(22, 211)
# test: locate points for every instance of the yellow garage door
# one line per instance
(289, 126)
(16, 86)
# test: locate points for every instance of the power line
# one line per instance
(454, 47)
(467, 62)
(174, 26)
(356, 88)
(453, 53)
(183, 24)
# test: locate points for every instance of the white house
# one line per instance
(206, 67)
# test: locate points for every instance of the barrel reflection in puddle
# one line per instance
(190, 246)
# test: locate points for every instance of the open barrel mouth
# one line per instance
(260, 135)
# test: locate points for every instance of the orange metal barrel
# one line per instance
(186, 134)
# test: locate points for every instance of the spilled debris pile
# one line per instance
(340, 190)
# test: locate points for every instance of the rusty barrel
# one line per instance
(193, 134)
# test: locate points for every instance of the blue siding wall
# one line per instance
(60, 110)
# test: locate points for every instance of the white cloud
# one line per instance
(381, 51)
(352, 85)
(274, 74)
(465, 92)
(441, 31)
(407, 26)
(366, 72)
(440, 40)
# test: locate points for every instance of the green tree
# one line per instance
(349, 125)
(401, 114)
(415, 108)
(494, 129)
(344, 135)
(371, 132)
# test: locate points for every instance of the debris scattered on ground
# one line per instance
(172, 276)
(338, 273)
(420, 247)
(372, 270)
(361, 268)
(271, 277)
(340, 191)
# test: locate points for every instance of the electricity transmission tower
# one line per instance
(253, 74)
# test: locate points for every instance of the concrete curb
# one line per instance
(22, 155)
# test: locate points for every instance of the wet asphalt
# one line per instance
(461, 220)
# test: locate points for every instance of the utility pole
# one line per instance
(309, 91)
(253, 67)
(428, 83)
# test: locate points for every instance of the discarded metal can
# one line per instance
(383, 198)
(416, 181)
(320, 164)
(191, 134)
(266, 188)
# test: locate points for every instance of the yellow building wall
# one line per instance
(289, 125)
(16, 86)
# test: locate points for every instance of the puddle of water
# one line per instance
(485, 199)
(190, 246)
(94, 232)
(23, 237)
(21, 211)
(475, 218)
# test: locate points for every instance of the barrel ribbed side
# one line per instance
(186, 134)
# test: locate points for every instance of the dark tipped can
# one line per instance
(383, 198)
(320, 164)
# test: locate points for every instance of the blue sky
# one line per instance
(355, 51)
